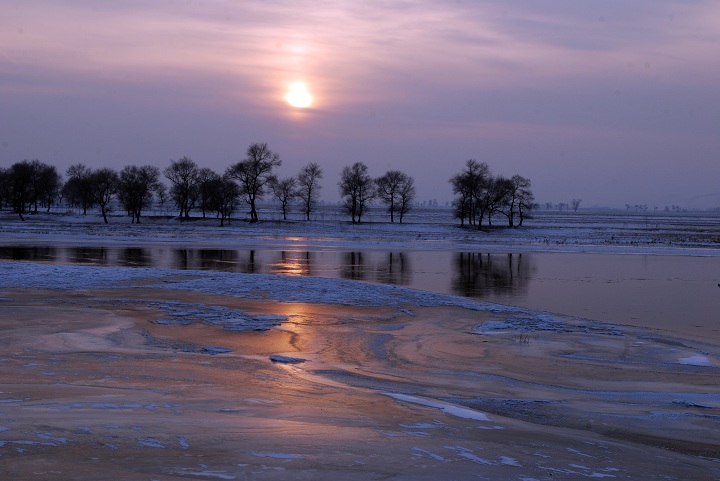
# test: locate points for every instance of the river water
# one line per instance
(675, 293)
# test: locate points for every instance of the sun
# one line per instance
(298, 95)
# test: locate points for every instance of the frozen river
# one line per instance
(676, 293)
(323, 349)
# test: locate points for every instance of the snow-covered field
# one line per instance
(429, 228)
(147, 373)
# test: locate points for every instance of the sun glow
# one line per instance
(298, 95)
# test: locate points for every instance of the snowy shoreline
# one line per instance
(273, 246)
(429, 229)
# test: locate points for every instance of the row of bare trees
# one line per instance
(28, 185)
(395, 189)
(482, 195)
(134, 187)
(193, 187)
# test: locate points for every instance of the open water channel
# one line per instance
(675, 293)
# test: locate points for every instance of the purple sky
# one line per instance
(610, 101)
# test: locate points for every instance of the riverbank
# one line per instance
(674, 233)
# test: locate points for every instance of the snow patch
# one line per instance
(579, 453)
(286, 359)
(233, 320)
(206, 474)
(276, 455)
(509, 461)
(50, 437)
(690, 404)
(212, 350)
(422, 425)
(696, 361)
(427, 453)
(469, 455)
(149, 407)
(447, 408)
(151, 443)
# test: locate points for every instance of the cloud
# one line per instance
(354, 52)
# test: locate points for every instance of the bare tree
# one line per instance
(161, 193)
(523, 197)
(309, 187)
(36, 168)
(184, 176)
(284, 191)
(136, 187)
(254, 172)
(5, 187)
(396, 190)
(21, 186)
(223, 197)
(491, 198)
(356, 188)
(207, 182)
(518, 189)
(494, 198)
(103, 185)
(47, 185)
(467, 186)
(406, 196)
(77, 190)
(575, 204)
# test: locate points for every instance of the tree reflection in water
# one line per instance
(467, 274)
(183, 258)
(247, 264)
(396, 270)
(393, 269)
(29, 253)
(353, 266)
(134, 257)
(480, 275)
(205, 259)
(88, 255)
(293, 264)
(218, 259)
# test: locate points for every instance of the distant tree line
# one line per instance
(561, 206)
(480, 195)
(28, 186)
